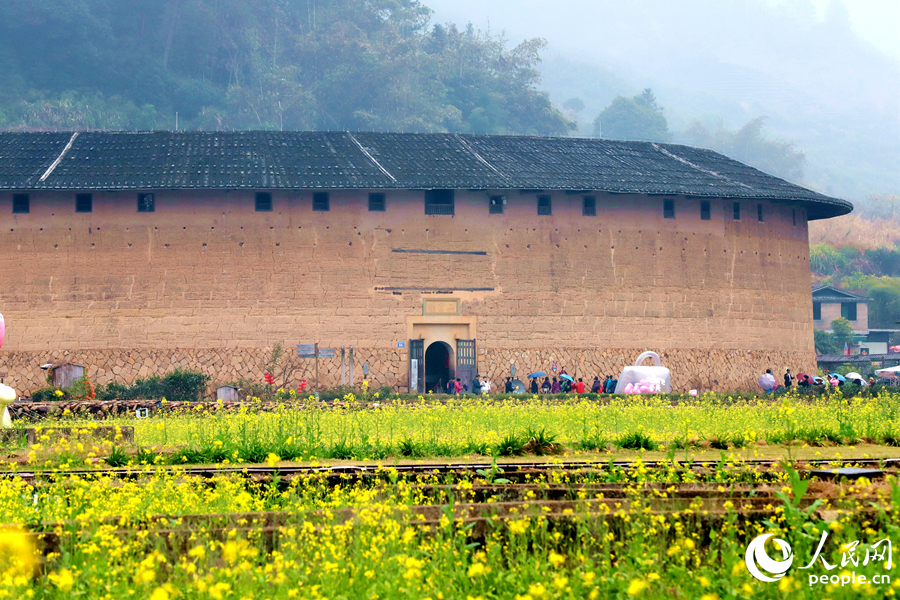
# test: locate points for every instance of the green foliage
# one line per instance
(180, 385)
(638, 118)
(636, 440)
(269, 64)
(825, 342)
(842, 331)
(48, 394)
(750, 145)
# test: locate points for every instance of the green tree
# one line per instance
(842, 332)
(825, 342)
(638, 118)
(750, 145)
(268, 64)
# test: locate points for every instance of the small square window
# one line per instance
(84, 203)
(848, 310)
(759, 213)
(21, 203)
(545, 205)
(321, 202)
(263, 202)
(439, 202)
(496, 206)
(589, 206)
(705, 211)
(817, 311)
(737, 211)
(669, 209)
(146, 203)
(376, 203)
(794, 216)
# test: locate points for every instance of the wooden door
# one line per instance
(465, 361)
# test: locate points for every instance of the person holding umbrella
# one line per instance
(566, 382)
(545, 387)
(533, 377)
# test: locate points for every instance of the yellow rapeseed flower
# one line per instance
(636, 587)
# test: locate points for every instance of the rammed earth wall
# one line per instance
(206, 282)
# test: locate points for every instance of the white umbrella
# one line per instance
(853, 376)
(891, 373)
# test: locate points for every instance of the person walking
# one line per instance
(554, 387)
(508, 386)
(534, 386)
(788, 379)
(767, 381)
(607, 385)
(457, 386)
(579, 387)
(596, 386)
(485, 386)
(545, 387)
(476, 385)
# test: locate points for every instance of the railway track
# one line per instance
(517, 470)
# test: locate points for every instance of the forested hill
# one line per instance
(375, 65)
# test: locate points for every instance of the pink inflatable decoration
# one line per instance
(2, 330)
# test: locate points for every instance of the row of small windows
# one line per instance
(437, 202)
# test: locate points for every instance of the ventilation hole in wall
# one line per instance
(585, 247)
(241, 244)
(351, 243)
(42, 228)
(212, 227)
(328, 228)
(359, 233)
(57, 245)
(156, 228)
(184, 227)
(167, 245)
(612, 247)
(241, 227)
(129, 245)
(528, 246)
(127, 229)
(92, 245)
(556, 230)
(508, 246)
(557, 245)
(635, 247)
(660, 247)
(426, 229)
(271, 228)
(204, 245)
(279, 243)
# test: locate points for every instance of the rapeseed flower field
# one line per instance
(75, 527)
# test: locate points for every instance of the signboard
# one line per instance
(306, 350)
(326, 352)
(401, 344)
(414, 374)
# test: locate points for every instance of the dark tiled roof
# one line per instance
(339, 160)
(833, 294)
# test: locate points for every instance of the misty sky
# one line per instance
(825, 73)
(878, 21)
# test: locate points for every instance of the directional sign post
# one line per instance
(313, 351)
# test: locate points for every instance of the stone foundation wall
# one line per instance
(718, 370)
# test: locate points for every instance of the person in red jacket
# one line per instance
(579, 387)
